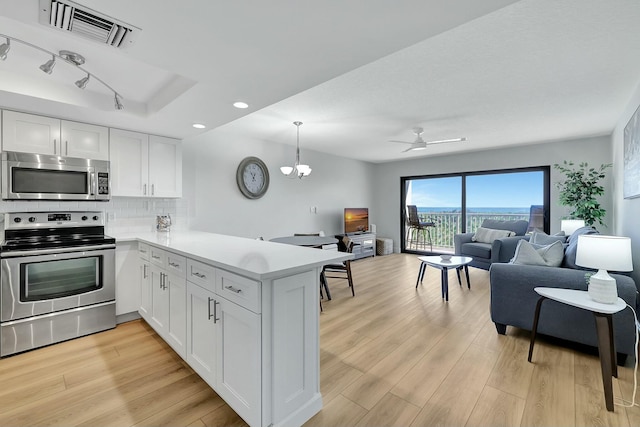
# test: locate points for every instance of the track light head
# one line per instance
(48, 66)
(118, 102)
(4, 49)
(82, 83)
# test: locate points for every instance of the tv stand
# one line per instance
(364, 244)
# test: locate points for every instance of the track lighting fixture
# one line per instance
(117, 102)
(47, 67)
(66, 56)
(82, 83)
(4, 49)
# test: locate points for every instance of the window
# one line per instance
(457, 203)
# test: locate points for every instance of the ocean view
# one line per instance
(478, 210)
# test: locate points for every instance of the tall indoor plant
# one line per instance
(580, 190)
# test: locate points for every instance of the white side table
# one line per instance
(457, 262)
(604, 326)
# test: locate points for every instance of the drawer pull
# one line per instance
(155, 257)
(173, 264)
(200, 275)
(142, 251)
(232, 289)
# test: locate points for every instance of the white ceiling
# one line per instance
(356, 73)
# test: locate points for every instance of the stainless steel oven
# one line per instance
(27, 176)
(57, 278)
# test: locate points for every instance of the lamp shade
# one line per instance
(612, 253)
(571, 225)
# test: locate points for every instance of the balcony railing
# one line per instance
(447, 224)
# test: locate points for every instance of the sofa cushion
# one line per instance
(477, 250)
(541, 238)
(488, 235)
(569, 260)
(544, 255)
(519, 227)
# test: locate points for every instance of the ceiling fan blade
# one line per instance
(402, 142)
(408, 149)
(442, 141)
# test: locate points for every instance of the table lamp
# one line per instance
(604, 253)
(571, 225)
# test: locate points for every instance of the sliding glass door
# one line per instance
(458, 203)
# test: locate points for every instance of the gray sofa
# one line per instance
(500, 250)
(513, 302)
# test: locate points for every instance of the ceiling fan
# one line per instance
(421, 144)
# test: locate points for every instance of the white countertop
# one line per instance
(257, 259)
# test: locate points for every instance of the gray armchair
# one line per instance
(500, 250)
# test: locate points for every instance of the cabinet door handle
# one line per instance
(155, 257)
(200, 275)
(215, 311)
(142, 251)
(161, 279)
(232, 289)
(173, 264)
(209, 299)
(55, 144)
(144, 191)
(153, 189)
(66, 148)
(144, 271)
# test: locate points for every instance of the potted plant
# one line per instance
(580, 190)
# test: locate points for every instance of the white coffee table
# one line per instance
(457, 262)
(604, 327)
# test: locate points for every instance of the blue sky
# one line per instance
(520, 189)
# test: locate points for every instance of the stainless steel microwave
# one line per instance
(27, 176)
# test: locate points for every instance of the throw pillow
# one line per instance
(532, 254)
(572, 247)
(488, 235)
(541, 238)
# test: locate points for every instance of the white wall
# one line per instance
(626, 211)
(215, 204)
(388, 206)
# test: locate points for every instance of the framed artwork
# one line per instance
(631, 187)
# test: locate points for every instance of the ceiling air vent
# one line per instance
(80, 20)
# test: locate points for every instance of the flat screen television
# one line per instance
(356, 220)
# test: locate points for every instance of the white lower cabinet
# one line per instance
(254, 342)
(201, 332)
(238, 354)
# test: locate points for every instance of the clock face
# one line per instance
(252, 177)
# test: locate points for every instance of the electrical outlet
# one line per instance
(111, 216)
(313, 209)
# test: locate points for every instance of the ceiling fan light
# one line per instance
(82, 83)
(286, 170)
(48, 66)
(4, 49)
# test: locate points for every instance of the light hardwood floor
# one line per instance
(391, 356)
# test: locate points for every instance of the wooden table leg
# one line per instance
(445, 283)
(423, 267)
(534, 330)
(604, 328)
(466, 273)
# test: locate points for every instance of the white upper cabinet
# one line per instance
(84, 140)
(30, 133)
(145, 165)
(129, 154)
(165, 166)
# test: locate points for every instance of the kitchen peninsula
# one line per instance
(242, 313)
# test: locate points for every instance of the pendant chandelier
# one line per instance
(65, 56)
(298, 170)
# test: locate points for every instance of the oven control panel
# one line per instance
(25, 220)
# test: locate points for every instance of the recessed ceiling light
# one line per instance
(199, 126)
(240, 104)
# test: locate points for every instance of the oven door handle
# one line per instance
(13, 254)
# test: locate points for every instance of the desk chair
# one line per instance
(338, 271)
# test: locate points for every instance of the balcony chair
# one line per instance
(338, 271)
(417, 228)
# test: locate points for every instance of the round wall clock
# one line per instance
(252, 177)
